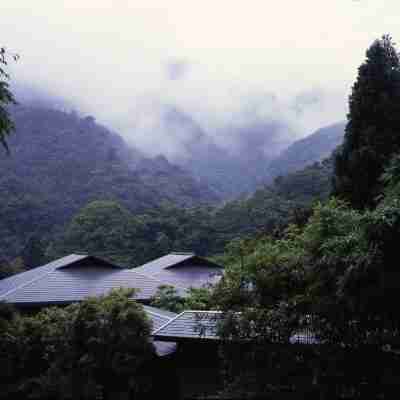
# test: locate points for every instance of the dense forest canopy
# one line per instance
(109, 230)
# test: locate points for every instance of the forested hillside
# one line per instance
(109, 230)
(59, 162)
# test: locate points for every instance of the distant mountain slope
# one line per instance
(59, 162)
(229, 169)
(308, 150)
(232, 174)
(250, 161)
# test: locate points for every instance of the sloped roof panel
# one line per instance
(156, 266)
(16, 281)
(183, 270)
(190, 325)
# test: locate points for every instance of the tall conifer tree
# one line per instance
(373, 128)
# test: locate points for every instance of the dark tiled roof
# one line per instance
(18, 280)
(182, 270)
(72, 279)
(190, 325)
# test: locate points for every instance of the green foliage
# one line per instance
(199, 299)
(6, 98)
(334, 280)
(167, 298)
(372, 132)
(104, 229)
(91, 350)
(329, 268)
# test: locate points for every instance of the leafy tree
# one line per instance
(6, 98)
(199, 299)
(108, 230)
(95, 349)
(373, 128)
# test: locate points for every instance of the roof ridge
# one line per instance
(24, 284)
(188, 255)
(167, 323)
(205, 311)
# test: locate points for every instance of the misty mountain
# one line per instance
(59, 162)
(313, 148)
(249, 155)
(234, 166)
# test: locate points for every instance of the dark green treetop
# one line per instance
(373, 128)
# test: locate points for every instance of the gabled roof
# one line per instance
(182, 270)
(73, 278)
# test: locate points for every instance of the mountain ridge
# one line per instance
(308, 150)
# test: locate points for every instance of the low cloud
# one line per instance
(231, 68)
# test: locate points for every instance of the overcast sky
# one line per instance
(220, 60)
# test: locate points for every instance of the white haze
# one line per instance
(228, 64)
